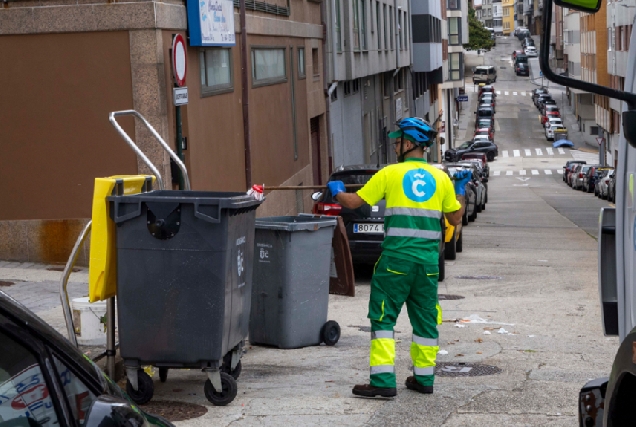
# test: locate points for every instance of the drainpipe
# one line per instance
(245, 97)
(324, 16)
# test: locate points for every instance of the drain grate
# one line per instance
(175, 411)
(443, 297)
(6, 283)
(479, 277)
(465, 370)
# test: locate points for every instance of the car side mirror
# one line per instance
(112, 412)
(316, 196)
(588, 6)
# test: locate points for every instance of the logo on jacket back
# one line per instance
(419, 185)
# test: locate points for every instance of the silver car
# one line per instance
(602, 186)
(577, 178)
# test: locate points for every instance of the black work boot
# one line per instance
(367, 390)
(412, 384)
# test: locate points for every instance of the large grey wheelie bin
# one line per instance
(184, 272)
(290, 292)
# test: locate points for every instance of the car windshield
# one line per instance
(481, 71)
(466, 144)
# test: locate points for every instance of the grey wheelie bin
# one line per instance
(184, 272)
(290, 292)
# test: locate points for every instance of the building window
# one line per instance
(454, 66)
(268, 66)
(391, 21)
(454, 27)
(215, 70)
(377, 24)
(301, 62)
(314, 62)
(338, 26)
(385, 29)
(453, 5)
(363, 24)
(356, 25)
(399, 40)
(406, 31)
(351, 87)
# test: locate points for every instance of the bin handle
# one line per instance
(121, 218)
(205, 217)
(130, 142)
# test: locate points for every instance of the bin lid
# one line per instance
(295, 223)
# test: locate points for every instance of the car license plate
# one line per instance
(368, 228)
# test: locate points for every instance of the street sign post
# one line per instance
(462, 98)
(179, 62)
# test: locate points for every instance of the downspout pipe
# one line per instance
(247, 142)
(325, 15)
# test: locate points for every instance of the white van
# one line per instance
(485, 74)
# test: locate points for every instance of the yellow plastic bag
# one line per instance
(102, 268)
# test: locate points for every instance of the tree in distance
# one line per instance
(478, 36)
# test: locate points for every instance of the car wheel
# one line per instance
(450, 251)
(465, 217)
(490, 156)
(459, 246)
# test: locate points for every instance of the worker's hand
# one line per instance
(336, 187)
(461, 178)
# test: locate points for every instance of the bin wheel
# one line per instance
(227, 363)
(163, 374)
(145, 388)
(225, 396)
(330, 333)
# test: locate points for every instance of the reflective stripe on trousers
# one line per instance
(382, 357)
(424, 352)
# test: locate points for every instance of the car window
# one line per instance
(23, 389)
(79, 397)
(466, 145)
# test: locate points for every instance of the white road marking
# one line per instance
(561, 150)
(550, 151)
(539, 152)
(506, 93)
(560, 171)
(496, 173)
(517, 153)
(548, 172)
(504, 153)
(523, 94)
(508, 173)
(514, 93)
(523, 179)
(522, 172)
(528, 152)
(498, 92)
(535, 172)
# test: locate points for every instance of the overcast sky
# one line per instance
(477, 2)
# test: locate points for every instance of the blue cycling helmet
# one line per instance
(415, 130)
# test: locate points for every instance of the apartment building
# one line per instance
(537, 16)
(497, 17)
(367, 55)
(486, 13)
(556, 38)
(72, 63)
(454, 35)
(620, 16)
(528, 15)
(508, 17)
(518, 13)
(478, 13)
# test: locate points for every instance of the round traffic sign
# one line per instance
(179, 59)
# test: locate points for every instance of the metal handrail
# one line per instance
(66, 307)
(152, 130)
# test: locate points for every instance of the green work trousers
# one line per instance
(396, 281)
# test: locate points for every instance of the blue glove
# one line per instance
(461, 178)
(336, 187)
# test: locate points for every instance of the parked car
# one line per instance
(480, 183)
(573, 172)
(515, 53)
(485, 74)
(579, 174)
(487, 112)
(487, 147)
(364, 225)
(485, 122)
(568, 167)
(528, 41)
(476, 155)
(531, 51)
(46, 381)
(486, 131)
(546, 101)
(487, 98)
(537, 100)
(550, 108)
(591, 177)
(602, 184)
(453, 235)
(522, 69)
(553, 120)
(550, 131)
(611, 188)
(486, 88)
(539, 91)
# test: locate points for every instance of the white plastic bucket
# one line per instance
(89, 321)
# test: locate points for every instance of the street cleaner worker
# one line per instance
(417, 195)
